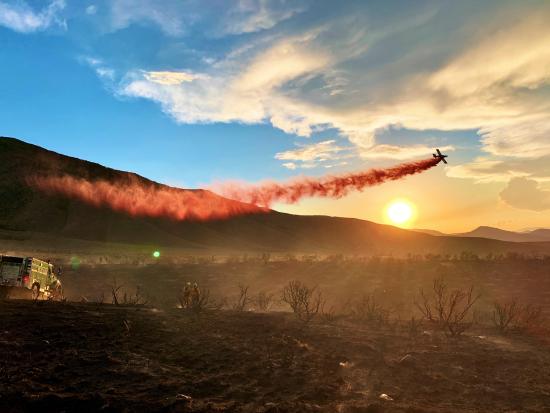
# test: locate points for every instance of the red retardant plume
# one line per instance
(137, 198)
(147, 200)
(326, 187)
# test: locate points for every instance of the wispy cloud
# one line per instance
(502, 169)
(169, 78)
(400, 152)
(19, 16)
(238, 90)
(254, 15)
(524, 193)
(320, 151)
(102, 70)
(91, 9)
(351, 72)
(309, 156)
(174, 17)
(506, 104)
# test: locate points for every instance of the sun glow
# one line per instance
(400, 212)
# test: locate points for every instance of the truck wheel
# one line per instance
(35, 291)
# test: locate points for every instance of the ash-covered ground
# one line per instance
(99, 357)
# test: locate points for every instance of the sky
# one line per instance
(191, 93)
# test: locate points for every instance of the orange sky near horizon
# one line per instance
(444, 204)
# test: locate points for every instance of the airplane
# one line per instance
(440, 156)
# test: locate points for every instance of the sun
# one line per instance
(400, 212)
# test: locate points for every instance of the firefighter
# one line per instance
(195, 295)
(56, 290)
(187, 295)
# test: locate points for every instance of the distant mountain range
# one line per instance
(25, 209)
(536, 235)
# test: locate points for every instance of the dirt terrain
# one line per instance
(91, 357)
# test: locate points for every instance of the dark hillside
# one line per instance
(23, 208)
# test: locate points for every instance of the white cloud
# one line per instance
(523, 193)
(237, 90)
(501, 84)
(333, 165)
(512, 57)
(91, 9)
(483, 170)
(254, 15)
(170, 78)
(495, 79)
(102, 70)
(171, 16)
(526, 138)
(19, 16)
(271, 85)
(400, 152)
(92, 61)
(174, 17)
(105, 72)
(311, 155)
(490, 169)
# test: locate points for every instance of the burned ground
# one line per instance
(395, 282)
(94, 356)
(91, 357)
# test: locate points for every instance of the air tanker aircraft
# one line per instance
(440, 156)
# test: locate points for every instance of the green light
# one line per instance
(75, 263)
(156, 254)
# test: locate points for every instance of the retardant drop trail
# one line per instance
(335, 186)
(138, 198)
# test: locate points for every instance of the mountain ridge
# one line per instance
(26, 209)
(484, 231)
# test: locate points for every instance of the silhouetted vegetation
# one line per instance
(447, 309)
(264, 301)
(505, 314)
(122, 297)
(243, 299)
(304, 301)
(367, 309)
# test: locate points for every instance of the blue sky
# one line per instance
(193, 92)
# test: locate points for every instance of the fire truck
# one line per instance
(24, 276)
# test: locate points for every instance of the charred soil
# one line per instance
(91, 357)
